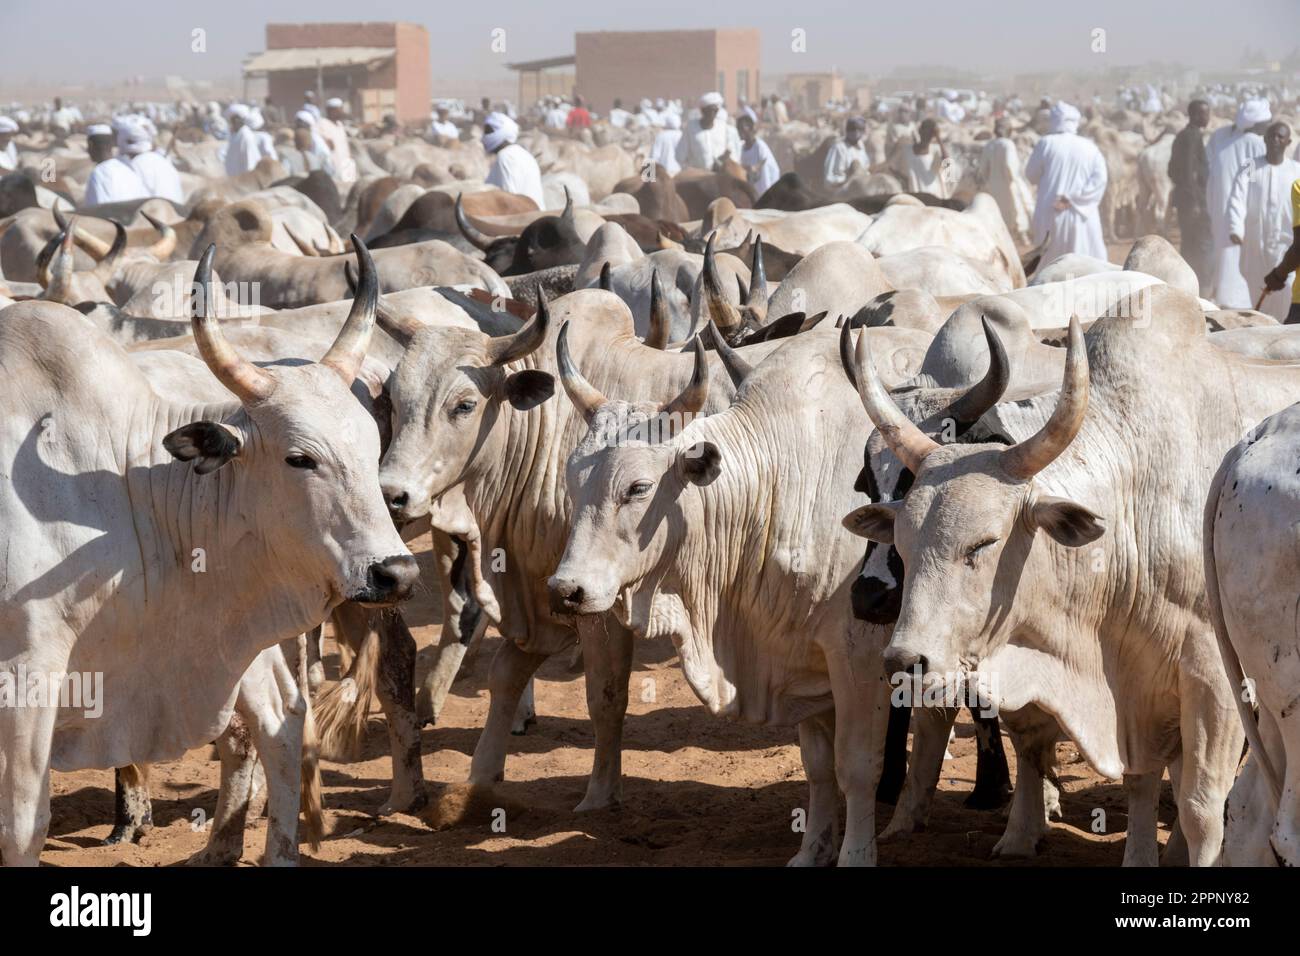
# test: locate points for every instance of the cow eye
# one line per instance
(979, 549)
(301, 461)
(639, 489)
(464, 406)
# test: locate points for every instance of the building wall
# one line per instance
(414, 78)
(669, 63)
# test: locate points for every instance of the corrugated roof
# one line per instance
(545, 64)
(308, 58)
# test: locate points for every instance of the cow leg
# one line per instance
(132, 808)
(1035, 755)
(1140, 845)
(821, 832)
(26, 737)
(238, 759)
(607, 662)
(276, 713)
(1212, 738)
(396, 692)
(1175, 852)
(992, 775)
(463, 622)
(512, 670)
(526, 712)
(894, 774)
(929, 741)
(861, 696)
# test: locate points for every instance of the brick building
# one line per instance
(376, 68)
(668, 63)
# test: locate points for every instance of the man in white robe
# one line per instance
(1259, 216)
(708, 137)
(113, 179)
(1070, 174)
(664, 150)
(999, 175)
(1229, 149)
(761, 167)
(335, 136)
(514, 170)
(135, 142)
(265, 141)
(443, 128)
(242, 152)
(8, 149)
(847, 156)
(922, 164)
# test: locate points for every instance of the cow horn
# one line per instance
(526, 340)
(696, 392)
(303, 247)
(657, 334)
(722, 312)
(737, 368)
(95, 247)
(604, 277)
(756, 301)
(478, 240)
(163, 248)
(987, 392)
(44, 257)
(349, 349)
(907, 441)
(586, 398)
(105, 265)
(59, 270)
(1037, 452)
(567, 214)
(399, 327)
(242, 377)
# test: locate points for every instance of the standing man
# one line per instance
(1276, 280)
(664, 149)
(707, 139)
(113, 179)
(1228, 150)
(444, 130)
(242, 151)
(513, 168)
(8, 150)
(1070, 173)
(847, 156)
(1259, 216)
(1188, 171)
(336, 141)
(135, 142)
(923, 162)
(760, 165)
(308, 152)
(579, 118)
(999, 175)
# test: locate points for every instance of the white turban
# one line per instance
(99, 129)
(255, 120)
(711, 99)
(672, 121)
(306, 117)
(133, 137)
(334, 103)
(503, 130)
(1252, 112)
(1065, 118)
(7, 125)
(237, 109)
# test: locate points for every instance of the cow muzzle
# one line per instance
(388, 581)
(405, 502)
(569, 597)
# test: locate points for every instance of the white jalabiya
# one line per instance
(761, 166)
(242, 152)
(446, 130)
(336, 141)
(114, 180)
(838, 160)
(1228, 150)
(158, 175)
(515, 171)
(1259, 213)
(1000, 176)
(664, 150)
(1067, 164)
(700, 148)
(924, 172)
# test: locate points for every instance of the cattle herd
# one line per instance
(864, 472)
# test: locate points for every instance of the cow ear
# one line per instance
(529, 388)
(1068, 523)
(208, 444)
(875, 522)
(701, 463)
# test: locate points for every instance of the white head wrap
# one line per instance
(237, 109)
(334, 103)
(1252, 112)
(503, 130)
(133, 137)
(255, 120)
(1065, 118)
(99, 129)
(7, 125)
(711, 99)
(306, 117)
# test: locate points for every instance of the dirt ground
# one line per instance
(698, 791)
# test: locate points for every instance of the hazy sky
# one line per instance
(77, 41)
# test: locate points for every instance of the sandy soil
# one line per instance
(697, 791)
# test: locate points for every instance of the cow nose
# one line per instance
(391, 579)
(566, 598)
(899, 659)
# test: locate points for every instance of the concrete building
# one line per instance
(810, 91)
(669, 63)
(375, 68)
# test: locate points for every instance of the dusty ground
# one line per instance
(697, 791)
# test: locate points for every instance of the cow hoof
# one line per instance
(1016, 846)
(900, 827)
(860, 856)
(817, 856)
(521, 728)
(122, 833)
(590, 804)
(412, 804)
(215, 857)
(991, 799)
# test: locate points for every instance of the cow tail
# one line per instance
(345, 706)
(1231, 662)
(311, 803)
